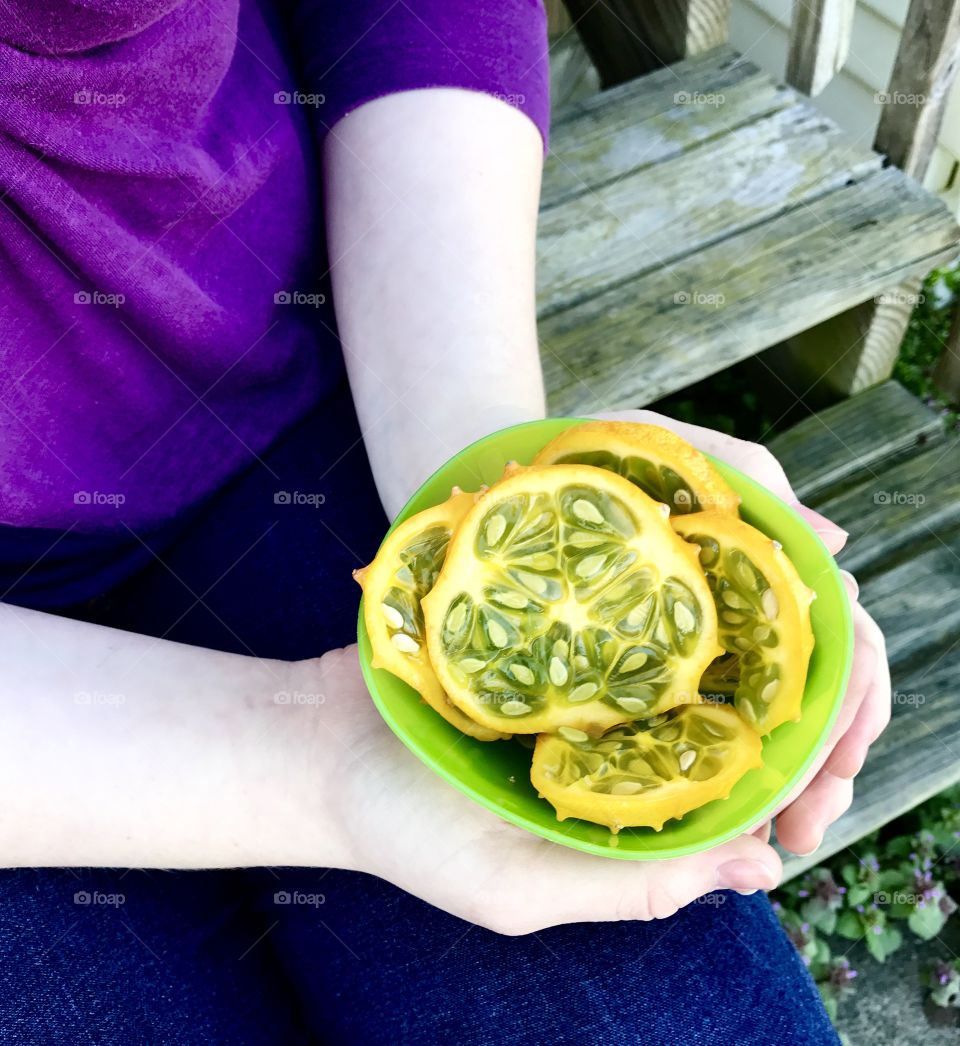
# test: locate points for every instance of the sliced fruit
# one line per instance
(661, 463)
(645, 773)
(394, 584)
(722, 677)
(566, 599)
(764, 613)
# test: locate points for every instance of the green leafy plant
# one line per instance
(900, 884)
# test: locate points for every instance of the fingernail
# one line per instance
(852, 581)
(810, 853)
(746, 893)
(822, 525)
(745, 874)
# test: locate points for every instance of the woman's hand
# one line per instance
(403, 823)
(827, 789)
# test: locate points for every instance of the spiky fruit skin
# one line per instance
(567, 599)
(763, 609)
(662, 464)
(649, 773)
(417, 546)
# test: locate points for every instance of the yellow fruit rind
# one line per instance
(662, 464)
(647, 773)
(763, 610)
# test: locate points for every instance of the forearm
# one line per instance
(121, 750)
(431, 201)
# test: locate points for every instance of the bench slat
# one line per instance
(858, 435)
(641, 340)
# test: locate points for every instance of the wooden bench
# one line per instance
(701, 213)
(880, 465)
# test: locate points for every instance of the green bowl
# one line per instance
(497, 774)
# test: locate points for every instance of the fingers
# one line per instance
(801, 827)
(830, 534)
(873, 713)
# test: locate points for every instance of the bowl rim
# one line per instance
(557, 834)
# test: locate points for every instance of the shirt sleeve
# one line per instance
(353, 51)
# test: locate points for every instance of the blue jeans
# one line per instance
(276, 956)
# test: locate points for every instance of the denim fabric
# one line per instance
(307, 955)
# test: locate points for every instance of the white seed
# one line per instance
(405, 644)
(626, 788)
(657, 720)
(683, 617)
(633, 662)
(769, 692)
(581, 662)
(638, 615)
(631, 704)
(712, 728)
(770, 605)
(561, 649)
(497, 633)
(538, 561)
(522, 674)
(472, 664)
(583, 692)
(730, 618)
(585, 539)
(571, 733)
(735, 600)
(393, 616)
(514, 600)
(582, 509)
(558, 672)
(590, 565)
(514, 707)
(534, 582)
(687, 759)
(494, 529)
(456, 617)
(742, 643)
(761, 633)
(747, 711)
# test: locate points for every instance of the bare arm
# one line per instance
(431, 216)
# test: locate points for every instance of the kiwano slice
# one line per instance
(393, 585)
(661, 463)
(764, 613)
(566, 599)
(647, 772)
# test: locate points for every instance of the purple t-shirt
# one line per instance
(163, 307)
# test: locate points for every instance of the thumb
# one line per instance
(746, 863)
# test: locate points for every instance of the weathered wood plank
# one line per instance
(627, 38)
(640, 340)
(820, 33)
(917, 756)
(646, 121)
(859, 435)
(658, 214)
(916, 603)
(898, 511)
